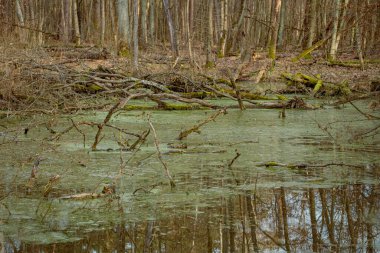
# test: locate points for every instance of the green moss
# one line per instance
(124, 52)
(317, 86)
(309, 50)
(252, 96)
(308, 56)
(197, 94)
(123, 49)
(352, 63)
(139, 107)
(281, 97)
(220, 54)
(181, 107)
(270, 164)
(272, 51)
(209, 65)
(94, 88)
(167, 107)
(224, 81)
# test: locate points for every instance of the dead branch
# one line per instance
(184, 100)
(85, 195)
(352, 98)
(140, 140)
(195, 128)
(230, 167)
(156, 142)
(237, 93)
(114, 109)
(234, 159)
(305, 166)
(367, 115)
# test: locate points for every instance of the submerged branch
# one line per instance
(305, 165)
(367, 115)
(159, 154)
(195, 128)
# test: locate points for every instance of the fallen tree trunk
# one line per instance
(315, 85)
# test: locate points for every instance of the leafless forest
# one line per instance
(215, 28)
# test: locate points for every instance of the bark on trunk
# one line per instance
(273, 37)
(124, 40)
(209, 60)
(77, 40)
(102, 22)
(173, 34)
(334, 44)
(136, 33)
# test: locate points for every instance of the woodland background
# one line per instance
(215, 28)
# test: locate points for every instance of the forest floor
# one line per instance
(22, 78)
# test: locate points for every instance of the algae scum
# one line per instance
(249, 181)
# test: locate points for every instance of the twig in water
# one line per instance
(367, 115)
(156, 142)
(234, 159)
(114, 109)
(230, 166)
(195, 128)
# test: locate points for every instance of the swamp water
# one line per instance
(256, 202)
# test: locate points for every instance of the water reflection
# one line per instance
(329, 202)
(340, 219)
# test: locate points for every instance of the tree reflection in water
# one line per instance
(341, 219)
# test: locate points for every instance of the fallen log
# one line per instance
(315, 85)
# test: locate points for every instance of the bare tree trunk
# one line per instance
(173, 34)
(334, 44)
(358, 35)
(76, 23)
(375, 27)
(209, 61)
(342, 22)
(40, 22)
(102, 22)
(66, 23)
(313, 23)
(324, 18)
(274, 27)
(21, 20)
(189, 27)
(236, 31)
(224, 28)
(123, 28)
(112, 17)
(19, 13)
(151, 20)
(281, 28)
(136, 33)
(144, 29)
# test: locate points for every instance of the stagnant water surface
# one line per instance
(248, 182)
